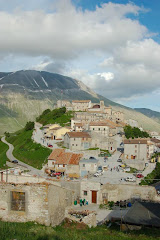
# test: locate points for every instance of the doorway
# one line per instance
(94, 196)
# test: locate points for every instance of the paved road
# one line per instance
(10, 156)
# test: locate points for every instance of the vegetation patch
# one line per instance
(72, 231)
(134, 132)
(152, 177)
(59, 115)
(3, 157)
(26, 150)
(92, 148)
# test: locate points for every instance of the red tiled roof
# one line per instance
(78, 124)
(155, 140)
(62, 157)
(56, 153)
(135, 141)
(80, 101)
(78, 135)
(98, 123)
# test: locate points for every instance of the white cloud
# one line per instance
(67, 32)
(130, 65)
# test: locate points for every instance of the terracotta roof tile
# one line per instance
(78, 135)
(56, 153)
(80, 101)
(155, 140)
(135, 141)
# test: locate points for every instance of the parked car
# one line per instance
(119, 160)
(100, 168)
(139, 175)
(96, 174)
(14, 161)
(130, 179)
(100, 172)
(50, 145)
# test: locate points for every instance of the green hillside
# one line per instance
(3, 157)
(26, 150)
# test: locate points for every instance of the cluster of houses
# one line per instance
(72, 165)
(95, 126)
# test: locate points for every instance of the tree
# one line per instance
(29, 126)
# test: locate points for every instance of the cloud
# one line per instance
(127, 59)
(67, 32)
(136, 68)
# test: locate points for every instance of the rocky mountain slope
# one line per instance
(25, 94)
(149, 113)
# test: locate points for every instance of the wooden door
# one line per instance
(94, 196)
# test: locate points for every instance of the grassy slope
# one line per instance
(155, 174)
(56, 116)
(26, 150)
(3, 157)
(31, 231)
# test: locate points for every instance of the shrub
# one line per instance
(29, 126)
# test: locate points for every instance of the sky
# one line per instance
(112, 46)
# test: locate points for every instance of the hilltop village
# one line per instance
(93, 163)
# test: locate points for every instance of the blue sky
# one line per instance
(112, 46)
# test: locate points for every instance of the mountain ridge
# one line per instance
(25, 94)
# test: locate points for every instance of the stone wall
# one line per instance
(115, 192)
(43, 203)
(139, 165)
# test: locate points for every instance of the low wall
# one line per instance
(12, 178)
(139, 165)
(116, 192)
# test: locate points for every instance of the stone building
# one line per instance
(99, 127)
(65, 162)
(63, 103)
(43, 203)
(135, 149)
(94, 192)
(81, 105)
(77, 140)
(88, 166)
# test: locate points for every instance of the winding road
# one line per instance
(10, 156)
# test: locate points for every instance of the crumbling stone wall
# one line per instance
(44, 203)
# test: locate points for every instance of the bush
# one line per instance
(29, 126)
(134, 132)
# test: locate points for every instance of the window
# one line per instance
(99, 129)
(17, 201)
(93, 128)
(76, 144)
(52, 163)
(135, 151)
(72, 144)
(83, 165)
(58, 165)
(63, 165)
(85, 193)
(135, 146)
(104, 129)
(74, 139)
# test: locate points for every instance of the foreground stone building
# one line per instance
(44, 203)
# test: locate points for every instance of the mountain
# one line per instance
(25, 94)
(149, 113)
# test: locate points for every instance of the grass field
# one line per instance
(3, 157)
(26, 150)
(32, 231)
